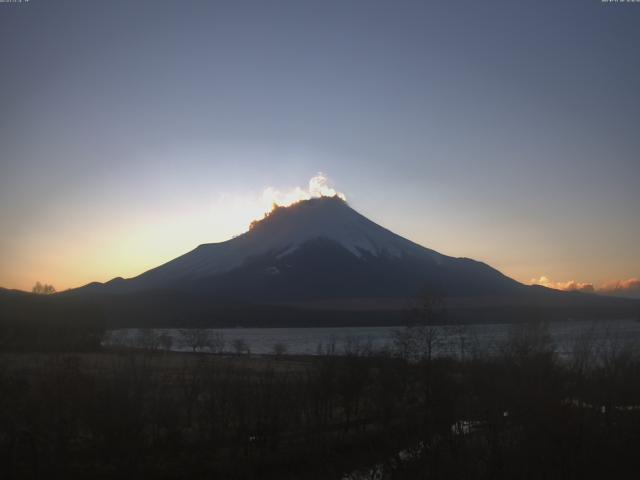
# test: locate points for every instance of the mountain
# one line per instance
(321, 263)
(317, 249)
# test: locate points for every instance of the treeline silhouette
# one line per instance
(523, 412)
(44, 323)
(43, 289)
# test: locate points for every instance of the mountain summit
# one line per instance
(312, 250)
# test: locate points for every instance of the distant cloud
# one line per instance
(319, 186)
(570, 286)
(623, 288)
(629, 287)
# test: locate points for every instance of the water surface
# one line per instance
(450, 340)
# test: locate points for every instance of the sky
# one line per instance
(131, 132)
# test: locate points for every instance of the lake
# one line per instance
(485, 338)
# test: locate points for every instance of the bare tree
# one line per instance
(429, 338)
(429, 313)
(196, 338)
(584, 352)
(43, 289)
(422, 336)
(461, 332)
(403, 341)
(357, 347)
(529, 340)
(216, 342)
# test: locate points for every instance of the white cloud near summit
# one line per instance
(319, 186)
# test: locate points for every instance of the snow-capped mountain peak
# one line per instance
(315, 248)
(283, 231)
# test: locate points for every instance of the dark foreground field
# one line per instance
(521, 414)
